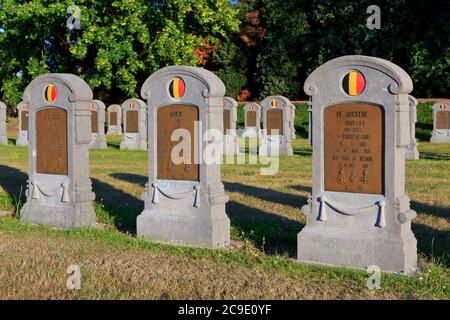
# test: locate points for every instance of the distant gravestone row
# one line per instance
(441, 122)
(362, 125)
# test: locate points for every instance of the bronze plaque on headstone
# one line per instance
(51, 141)
(226, 120)
(94, 121)
(113, 118)
(24, 121)
(170, 118)
(354, 148)
(442, 120)
(132, 122)
(275, 121)
(251, 118)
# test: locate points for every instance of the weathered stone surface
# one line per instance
(441, 122)
(362, 217)
(184, 210)
(252, 120)
(3, 133)
(277, 126)
(22, 132)
(134, 115)
(114, 119)
(59, 191)
(411, 152)
(98, 125)
(230, 139)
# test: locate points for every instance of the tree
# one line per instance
(120, 42)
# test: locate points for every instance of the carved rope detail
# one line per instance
(178, 196)
(352, 211)
(38, 190)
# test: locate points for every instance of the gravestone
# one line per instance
(441, 122)
(22, 132)
(292, 122)
(98, 125)
(59, 191)
(184, 200)
(411, 152)
(358, 214)
(134, 115)
(114, 119)
(252, 127)
(277, 126)
(230, 138)
(3, 132)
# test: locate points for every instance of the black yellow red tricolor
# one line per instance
(274, 103)
(353, 83)
(176, 88)
(443, 107)
(132, 105)
(50, 93)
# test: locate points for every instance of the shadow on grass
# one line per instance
(130, 177)
(266, 194)
(121, 206)
(14, 182)
(113, 145)
(434, 156)
(432, 243)
(437, 211)
(272, 233)
(301, 151)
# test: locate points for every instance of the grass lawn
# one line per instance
(265, 218)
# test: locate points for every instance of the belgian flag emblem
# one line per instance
(274, 103)
(132, 105)
(92, 106)
(353, 83)
(25, 107)
(443, 107)
(176, 88)
(50, 93)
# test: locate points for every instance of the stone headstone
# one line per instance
(59, 189)
(411, 152)
(292, 122)
(277, 126)
(184, 200)
(134, 115)
(252, 127)
(230, 138)
(358, 214)
(441, 122)
(98, 125)
(114, 119)
(22, 132)
(3, 132)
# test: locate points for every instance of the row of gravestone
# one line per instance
(279, 114)
(357, 214)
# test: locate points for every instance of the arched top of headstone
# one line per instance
(403, 83)
(441, 106)
(412, 101)
(80, 90)
(133, 104)
(272, 102)
(2, 106)
(97, 105)
(114, 108)
(214, 87)
(252, 106)
(22, 105)
(229, 103)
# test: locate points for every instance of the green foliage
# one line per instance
(119, 45)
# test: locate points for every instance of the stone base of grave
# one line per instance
(412, 153)
(22, 142)
(114, 131)
(284, 149)
(98, 145)
(63, 217)
(230, 145)
(210, 230)
(251, 133)
(344, 248)
(133, 145)
(440, 139)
